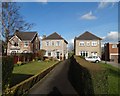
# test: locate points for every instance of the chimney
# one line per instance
(16, 32)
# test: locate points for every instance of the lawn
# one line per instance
(104, 77)
(20, 73)
(113, 78)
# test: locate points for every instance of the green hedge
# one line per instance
(23, 87)
(7, 68)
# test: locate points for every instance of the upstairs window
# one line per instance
(58, 43)
(82, 43)
(114, 46)
(88, 43)
(26, 44)
(52, 43)
(94, 43)
(15, 44)
(47, 43)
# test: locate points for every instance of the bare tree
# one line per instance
(12, 20)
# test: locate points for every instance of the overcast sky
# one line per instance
(72, 19)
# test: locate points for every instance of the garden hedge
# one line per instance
(7, 68)
(22, 88)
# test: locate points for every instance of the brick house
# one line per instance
(111, 52)
(55, 46)
(87, 44)
(23, 42)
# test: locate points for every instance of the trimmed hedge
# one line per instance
(23, 87)
(7, 68)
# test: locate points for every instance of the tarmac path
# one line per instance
(55, 83)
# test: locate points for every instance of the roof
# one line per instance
(25, 35)
(88, 36)
(54, 36)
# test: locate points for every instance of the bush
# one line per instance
(7, 68)
(41, 54)
(19, 63)
(82, 57)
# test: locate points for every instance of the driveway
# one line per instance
(56, 82)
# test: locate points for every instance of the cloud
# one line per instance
(112, 36)
(88, 16)
(104, 4)
(40, 37)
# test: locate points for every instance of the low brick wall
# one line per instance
(23, 87)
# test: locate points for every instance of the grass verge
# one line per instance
(113, 78)
(23, 72)
(105, 78)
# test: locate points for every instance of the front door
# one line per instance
(58, 56)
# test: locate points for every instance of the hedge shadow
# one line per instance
(80, 78)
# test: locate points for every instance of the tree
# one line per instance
(41, 54)
(12, 20)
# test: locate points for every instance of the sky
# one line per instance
(70, 19)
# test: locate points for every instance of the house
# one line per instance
(111, 52)
(87, 44)
(55, 46)
(23, 42)
(119, 52)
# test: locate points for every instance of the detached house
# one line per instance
(87, 44)
(111, 52)
(55, 46)
(23, 42)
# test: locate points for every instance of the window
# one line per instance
(15, 44)
(84, 53)
(25, 44)
(88, 43)
(49, 53)
(47, 43)
(52, 43)
(114, 46)
(58, 43)
(12, 42)
(82, 43)
(94, 43)
(94, 53)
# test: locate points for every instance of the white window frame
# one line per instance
(26, 43)
(58, 44)
(47, 43)
(114, 46)
(52, 43)
(84, 52)
(82, 43)
(88, 44)
(50, 53)
(94, 43)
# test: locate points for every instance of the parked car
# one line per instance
(95, 59)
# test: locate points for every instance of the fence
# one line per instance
(23, 57)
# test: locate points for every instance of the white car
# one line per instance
(95, 59)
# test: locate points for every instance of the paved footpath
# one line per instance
(113, 64)
(56, 82)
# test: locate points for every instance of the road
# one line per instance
(56, 82)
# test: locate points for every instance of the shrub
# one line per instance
(19, 63)
(7, 68)
(41, 54)
(82, 57)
